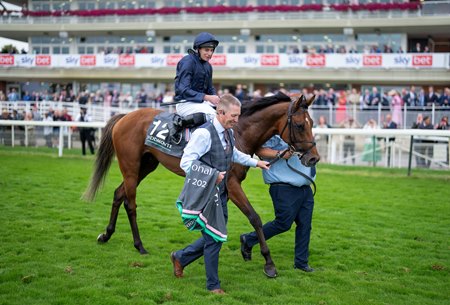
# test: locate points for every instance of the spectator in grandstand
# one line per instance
(431, 98)
(365, 99)
(417, 48)
(87, 134)
(239, 93)
(410, 99)
(322, 139)
(66, 116)
(168, 96)
(321, 98)
(36, 114)
(396, 107)
(400, 50)
(5, 131)
(98, 98)
(2, 96)
(389, 124)
(371, 151)
(354, 98)
(421, 98)
(341, 109)
(349, 140)
(444, 100)
(193, 82)
(443, 124)
(417, 142)
(257, 94)
(26, 96)
(57, 116)
(30, 129)
(83, 99)
(375, 97)
(426, 148)
(70, 97)
(13, 96)
(48, 130)
(331, 97)
(141, 98)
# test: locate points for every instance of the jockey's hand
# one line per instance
(213, 99)
(263, 164)
(220, 177)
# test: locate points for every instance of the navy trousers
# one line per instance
(291, 204)
(207, 247)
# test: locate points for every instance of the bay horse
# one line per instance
(124, 136)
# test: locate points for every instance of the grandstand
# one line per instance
(265, 44)
(322, 47)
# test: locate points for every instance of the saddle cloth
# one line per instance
(158, 135)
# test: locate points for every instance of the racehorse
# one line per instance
(124, 136)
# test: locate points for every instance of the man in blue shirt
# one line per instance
(292, 199)
(213, 145)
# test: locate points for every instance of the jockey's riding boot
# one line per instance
(192, 120)
(188, 121)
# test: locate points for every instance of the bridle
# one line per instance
(291, 125)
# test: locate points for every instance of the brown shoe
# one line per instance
(177, 268)
(217, 291)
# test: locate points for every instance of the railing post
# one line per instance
(410, 155)
(12, 136)
(61, 142)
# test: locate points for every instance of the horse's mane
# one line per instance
(251, 107)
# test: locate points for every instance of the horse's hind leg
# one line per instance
(148, 164)
(119, 196)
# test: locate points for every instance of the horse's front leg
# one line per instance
(240, 200)
(130, 207)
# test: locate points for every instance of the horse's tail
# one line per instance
(105, 155)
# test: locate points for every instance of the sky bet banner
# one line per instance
(304, 61)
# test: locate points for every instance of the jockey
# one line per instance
(193, 84)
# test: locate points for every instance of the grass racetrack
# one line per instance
(379, 237)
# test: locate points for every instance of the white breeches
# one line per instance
(187, 108)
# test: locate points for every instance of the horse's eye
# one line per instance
(300, 126)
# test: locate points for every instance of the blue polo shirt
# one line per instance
(280, 172)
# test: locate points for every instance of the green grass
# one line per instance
(379, 237)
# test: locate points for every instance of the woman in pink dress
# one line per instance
(341, 109)
(396, 106)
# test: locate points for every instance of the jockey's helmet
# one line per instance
(205, 40)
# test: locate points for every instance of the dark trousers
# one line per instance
(86, 135)
(207, 247)
(291, 204)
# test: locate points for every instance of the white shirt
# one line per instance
(200, 143)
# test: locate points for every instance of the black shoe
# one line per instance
(304, 268)
(246, 251)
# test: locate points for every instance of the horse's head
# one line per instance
(298, 131)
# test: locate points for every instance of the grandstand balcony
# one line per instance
(253, 28)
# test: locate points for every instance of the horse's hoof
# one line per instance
(101, 238)
(143, 251)
(270, 271)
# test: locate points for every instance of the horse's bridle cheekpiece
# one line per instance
(291, 125)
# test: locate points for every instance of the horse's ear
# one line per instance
(311, 100)
(298, 103)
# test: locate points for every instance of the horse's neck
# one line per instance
(255, 130)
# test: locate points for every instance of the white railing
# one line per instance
(100, 113)
(382, 147)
